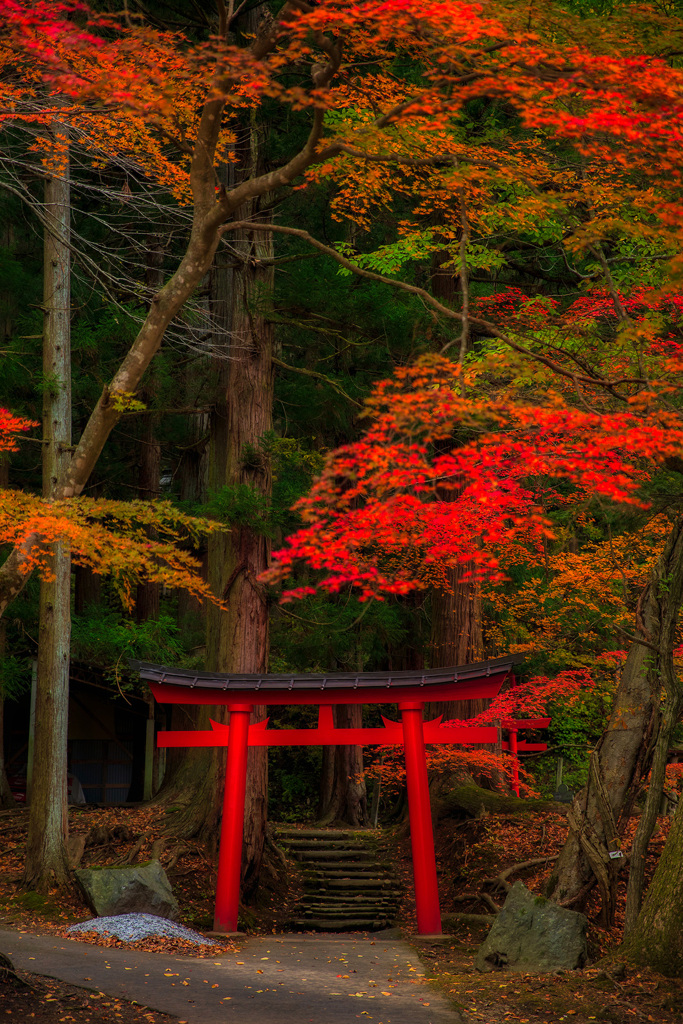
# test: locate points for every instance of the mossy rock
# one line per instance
(128, 889)
(472, 802)
(532, 936)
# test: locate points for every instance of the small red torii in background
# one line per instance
(409, 690)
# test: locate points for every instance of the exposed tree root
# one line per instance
(501, 880)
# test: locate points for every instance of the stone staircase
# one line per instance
(348, 883)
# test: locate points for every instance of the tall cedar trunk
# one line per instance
(46, 855)
(657, 939)
(243, 640)
(622, 758)
(149, 461)
(6, 796)
(456, 635)
(237, 638)
(456, 639)
(149, 488)
(194, 776)
(343, 795)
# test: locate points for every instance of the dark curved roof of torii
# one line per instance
(248, 681)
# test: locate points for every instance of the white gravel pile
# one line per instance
(133, 927)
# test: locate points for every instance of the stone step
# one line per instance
(360, 868)
(343, 910)
(283, 831)
(365, 876)
(346, 885)
(327, 844)
(354, 913)
(349, 900)
(340, 925)
(361, 853)
(338, 892)
(333, 885)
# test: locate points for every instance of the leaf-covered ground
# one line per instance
(46, 1001)
(119, 835)
(471, 854)
(615, 996)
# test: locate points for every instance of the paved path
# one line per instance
(286, 979)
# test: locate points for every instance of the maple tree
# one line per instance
(376, 518)
(529, 699)
(124, 72)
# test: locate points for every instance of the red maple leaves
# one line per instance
(439, 479)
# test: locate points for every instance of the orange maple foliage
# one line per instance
(376, 519)
(131, 542)
(139, 89)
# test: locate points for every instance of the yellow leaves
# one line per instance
(125, 401)
(131, 542)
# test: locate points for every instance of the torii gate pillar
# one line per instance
(421, 830)
(232, 827)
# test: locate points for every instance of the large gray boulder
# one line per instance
(532, 934)
(130, 889)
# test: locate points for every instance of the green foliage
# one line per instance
(15, 677)
(106, 638)
(321, 633)
(240, 505)
(390, 259)
(293, 466)
(294, 772)
(48, 384)
(573, 732)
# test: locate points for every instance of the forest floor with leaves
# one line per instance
(472, 855)
(29, 997)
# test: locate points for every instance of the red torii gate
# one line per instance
(410, 690)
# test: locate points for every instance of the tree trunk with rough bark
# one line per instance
(667, 593)
(343, 795)
(456, 639)
(46, 854)
(237, 637)
(623, 756)
(6, 796)
(456, 634)
(656, 941)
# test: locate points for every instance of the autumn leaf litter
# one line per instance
(146, 931)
